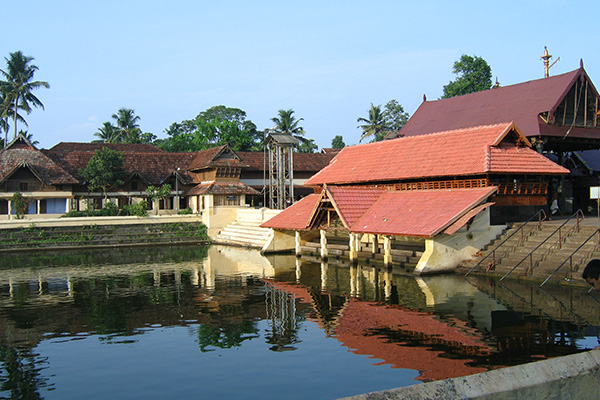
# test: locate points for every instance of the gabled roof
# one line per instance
(422, 213)
(499, 148)
(419, 213)
(44, 168)
(67, 147)
(220, 156)
(521, 103)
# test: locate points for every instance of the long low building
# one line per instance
(430, 192)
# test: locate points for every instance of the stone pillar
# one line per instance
(38, 206)
(387, 250)
(324, 253)
(375, 244)
(298, 242)
(353, 246)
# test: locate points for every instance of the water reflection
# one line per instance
(440, 327)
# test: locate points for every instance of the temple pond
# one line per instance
(220, 323)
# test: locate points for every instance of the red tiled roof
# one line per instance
(521, 103)
(215, 157)
(221, 188)
(351, 203)
(423, 213)
(462, 152)
(295, 217)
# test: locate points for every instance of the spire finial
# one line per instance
(546, 57)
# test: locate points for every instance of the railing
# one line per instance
(522, 188)
(562, 235)
(529, 256)
(570, 257)
(540, 215)
(455, 184)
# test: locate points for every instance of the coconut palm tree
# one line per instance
(19, 84)
(5, 113)
(127, 124)
(108, 133)
(374, 125)
(285, 122)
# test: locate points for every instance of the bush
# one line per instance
(185, 211)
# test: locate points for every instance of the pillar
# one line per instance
(298, 242)
(353, 246)
(387, 250)
(375, 244)
(324, 268)
(324, 253)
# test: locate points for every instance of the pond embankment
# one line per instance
(99, 232)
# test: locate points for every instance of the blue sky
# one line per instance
(326, 60)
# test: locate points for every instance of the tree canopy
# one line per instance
(380, 121)
(125, 130)
(215, 126)
(338, 142)
(474, 75)
(104, 170)
(17, 88)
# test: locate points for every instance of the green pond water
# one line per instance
(227, 323)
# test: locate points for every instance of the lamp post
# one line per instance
(176, 191)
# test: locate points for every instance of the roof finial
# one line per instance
(497, 84)
(424, 97)
(581, 63)
(546, 57)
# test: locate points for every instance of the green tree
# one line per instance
(307, 146)
(338, 142)
(374, 125)
(286, 122)
(157, 193)
(215, 126)
(19, 204)
(104, 170)
(474, 75)
(394, 116)
(127, 125)
(107, 133)
(18, 85)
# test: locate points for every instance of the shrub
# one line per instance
(185, 211)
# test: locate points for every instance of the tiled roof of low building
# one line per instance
(49, 172)
(420, 213)
(423, 213)
(295, 217)
(499, 148)
(64, 147)
(221, 188)
(305, 162)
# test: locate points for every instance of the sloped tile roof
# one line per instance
(305, 162)
(295, 217)
(521, 103)
(153, 167)
(64, 147)
(221, 188)
(220, 156)
(50, 172)
(352, 202)
(461, 152)
(423, 213)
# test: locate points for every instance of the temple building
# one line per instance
(559, 115)
(427, 194)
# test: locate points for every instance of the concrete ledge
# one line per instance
(571, 377)
(80, 221)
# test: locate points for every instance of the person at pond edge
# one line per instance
(591, 274)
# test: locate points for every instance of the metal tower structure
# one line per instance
(281, 169)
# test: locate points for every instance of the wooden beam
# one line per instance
(585, 108)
